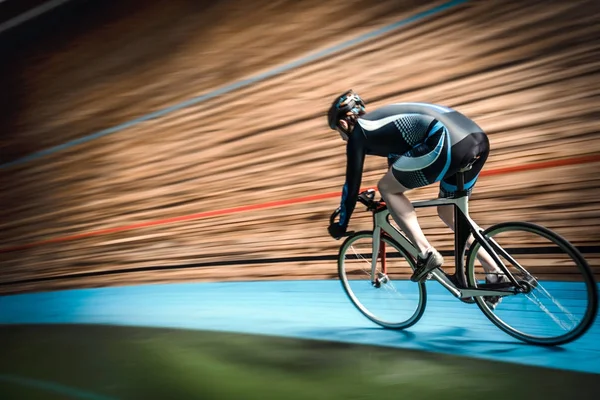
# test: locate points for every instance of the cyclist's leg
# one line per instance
(421, 166)
(476, 145)
(402, 210)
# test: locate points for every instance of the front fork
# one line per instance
(378, 252)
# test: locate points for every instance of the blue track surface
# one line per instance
(301, 309)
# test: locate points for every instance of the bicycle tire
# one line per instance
(591, 305)
(354, 298)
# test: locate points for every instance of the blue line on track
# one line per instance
(236, 85)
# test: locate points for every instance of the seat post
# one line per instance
(460, 181)
(460, 178)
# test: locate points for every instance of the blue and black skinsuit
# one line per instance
(424, 143)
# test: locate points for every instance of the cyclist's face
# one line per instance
(347, 124)
(344, 128)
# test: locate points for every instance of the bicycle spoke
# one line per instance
(535, 300)
(538, 286)
(391, 302)
(386, 286)
(562, 303)
(556, 302)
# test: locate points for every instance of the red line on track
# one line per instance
(543, 165)
(279, 203)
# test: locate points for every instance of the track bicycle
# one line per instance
(551, 297)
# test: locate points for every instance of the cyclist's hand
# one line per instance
(336, 230)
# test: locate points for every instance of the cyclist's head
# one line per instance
(344, 112)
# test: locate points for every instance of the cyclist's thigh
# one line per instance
(425, 163)
(463, 152)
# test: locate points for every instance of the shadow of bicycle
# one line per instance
(455, 340)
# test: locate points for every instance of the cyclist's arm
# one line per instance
(355, 157)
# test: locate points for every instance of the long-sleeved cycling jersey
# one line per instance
(421, 142)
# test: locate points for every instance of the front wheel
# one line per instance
(381, 288)
(561, 299)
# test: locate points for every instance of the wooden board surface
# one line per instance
(525, 72)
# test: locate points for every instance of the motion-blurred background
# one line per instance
(138, 197)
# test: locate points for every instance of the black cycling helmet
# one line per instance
(348, 104)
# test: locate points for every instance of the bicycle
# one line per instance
(388, 272)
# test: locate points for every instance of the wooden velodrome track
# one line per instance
(527, 72)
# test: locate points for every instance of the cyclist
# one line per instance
(424, 143)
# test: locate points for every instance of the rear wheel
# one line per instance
(562, 300)
(387, 296)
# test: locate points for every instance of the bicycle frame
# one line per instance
(464, 227)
